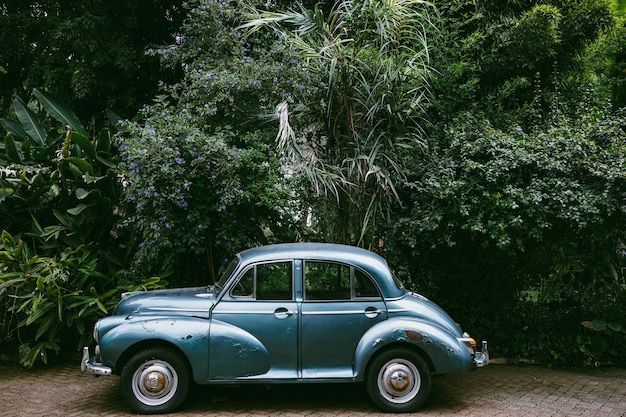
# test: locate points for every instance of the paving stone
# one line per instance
(497, 390)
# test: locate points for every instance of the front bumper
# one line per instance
(482, 358)
(93, 365)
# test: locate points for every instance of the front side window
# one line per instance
(270, 281)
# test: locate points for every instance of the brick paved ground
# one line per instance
(497, 390)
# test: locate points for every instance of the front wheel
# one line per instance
(155, 381)
(398, 380)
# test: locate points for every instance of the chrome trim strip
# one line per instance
(340, 312)
(304, 313)
(181, 310)
(247, 312)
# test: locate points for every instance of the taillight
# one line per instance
(472, 342)
(469, 343)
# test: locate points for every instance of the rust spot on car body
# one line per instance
(414, 336)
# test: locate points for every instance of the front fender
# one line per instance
(189, 334)
(235, 353)
(444, 350)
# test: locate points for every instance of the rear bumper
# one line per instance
(482, 358)
(93, 365)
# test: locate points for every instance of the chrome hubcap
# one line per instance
(399, 381)
(155, 383)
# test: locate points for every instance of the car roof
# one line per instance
(375, 265)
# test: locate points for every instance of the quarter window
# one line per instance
(363, 285)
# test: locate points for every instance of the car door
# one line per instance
(340, 304)
(261, 311)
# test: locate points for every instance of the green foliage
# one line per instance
(90, 54)
(60, 254)
(533, 42)
(609, 326)
(520, 213)
(229, 79)
(57, 184)
(498, 58)
(202, 180)
(49, 303)
(192, 199)
(40, 302)
(611, 70)
(515, 215)
(475, 142)
(349, 133)
(178, 183)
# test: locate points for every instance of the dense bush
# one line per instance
(61, 251)
(610, 71)
(89, 54)
(202, 180)
(513, 218)
(517, 228)
(50, 303)
(498, 60)
(192, 199)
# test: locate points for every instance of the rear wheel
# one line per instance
(155, 381)
(398, 380)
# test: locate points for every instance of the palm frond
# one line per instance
(372, 60)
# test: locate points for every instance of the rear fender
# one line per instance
(444, 351)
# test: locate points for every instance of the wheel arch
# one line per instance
(400, 345)
(147, 344)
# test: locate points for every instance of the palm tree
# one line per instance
(350, 133)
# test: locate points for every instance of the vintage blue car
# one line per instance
(287, 313)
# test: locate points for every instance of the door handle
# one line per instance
(372, 312)
(283, 313)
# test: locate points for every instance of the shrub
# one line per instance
(502, 220)
(61, 251)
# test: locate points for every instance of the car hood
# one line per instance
(195, 301)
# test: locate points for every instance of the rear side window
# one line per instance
(335, 281)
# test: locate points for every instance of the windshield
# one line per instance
(227, 273)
